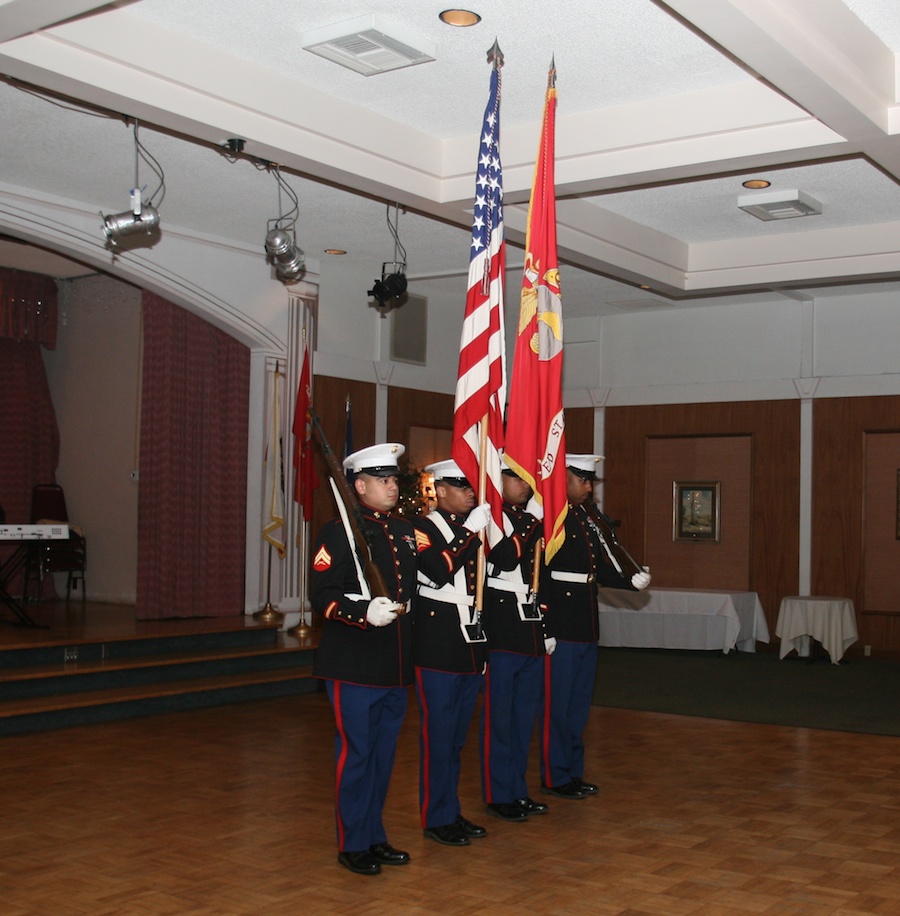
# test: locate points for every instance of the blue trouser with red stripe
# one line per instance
(367, 721)
(512, 697)
(446, 701)
(569, 675)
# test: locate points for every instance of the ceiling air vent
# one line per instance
(369, 45)
(779, 205)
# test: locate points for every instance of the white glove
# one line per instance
(642, 579)
(550, 644)
(478, 518)
(533, 507)
(381, 611)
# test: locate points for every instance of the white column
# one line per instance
(806, 386)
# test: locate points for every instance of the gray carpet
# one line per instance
(860, 695)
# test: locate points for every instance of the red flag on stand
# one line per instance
(305, 477)
(481, 384)
(535, 431)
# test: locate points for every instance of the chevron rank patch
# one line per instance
(322, 560)
(423, 542)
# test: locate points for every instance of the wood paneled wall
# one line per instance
(412, 407)
(723, 563)
(580, 431)
(773, 428)
(845, 435)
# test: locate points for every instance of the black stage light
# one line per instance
(390, 286)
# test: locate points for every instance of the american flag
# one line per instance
(481, 385)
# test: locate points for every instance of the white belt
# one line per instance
(562, 576)
(448, 597)
(504, 585)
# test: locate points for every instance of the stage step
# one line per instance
(101, 681)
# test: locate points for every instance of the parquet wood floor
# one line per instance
(229, 811)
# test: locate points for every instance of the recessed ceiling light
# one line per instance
(460, 18)
(754, 184)
(335, 251)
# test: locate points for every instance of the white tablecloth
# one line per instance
(681, 618)
(832, 621)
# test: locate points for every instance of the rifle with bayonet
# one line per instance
(354, 516)
(618, 554)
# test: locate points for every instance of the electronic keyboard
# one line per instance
(33, 532)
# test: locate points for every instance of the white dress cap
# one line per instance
(584, 465)
(446, 470)
(377, 460)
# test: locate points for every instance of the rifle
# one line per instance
(377, 585)
(530, 608)
(626, 563)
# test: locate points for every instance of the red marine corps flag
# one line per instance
(481, 385)
(305, 477)
(535, 431)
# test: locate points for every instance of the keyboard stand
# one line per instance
(13, 565)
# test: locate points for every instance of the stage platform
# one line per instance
(96, 662)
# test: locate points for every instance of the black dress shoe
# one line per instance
(449, 835)
(387, 855)
(588, 788)
(472, 831)
(508, 811)
(569, 790)
(530, 806)
(360, 863)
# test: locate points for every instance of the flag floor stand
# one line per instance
(302, 629)
(268, 614)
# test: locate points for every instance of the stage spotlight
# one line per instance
(390, 290)
(287, 258)
(281, 247)
(143, 217)
(116, 225)
(392, 285)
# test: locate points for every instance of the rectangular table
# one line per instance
(681, 618)
(830, 621)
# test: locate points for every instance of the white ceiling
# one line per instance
(664, 109)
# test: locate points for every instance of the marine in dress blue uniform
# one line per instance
(568, 595)
(364, 656)
(517, 645)
(449, 650)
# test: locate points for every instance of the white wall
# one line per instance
(770, 347)
(857, 335)
(354, 338)
(94, 380)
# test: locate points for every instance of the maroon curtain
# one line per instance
(193, 467)
(29, 453)
(28, 307)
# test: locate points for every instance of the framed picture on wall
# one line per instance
(695, 510)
